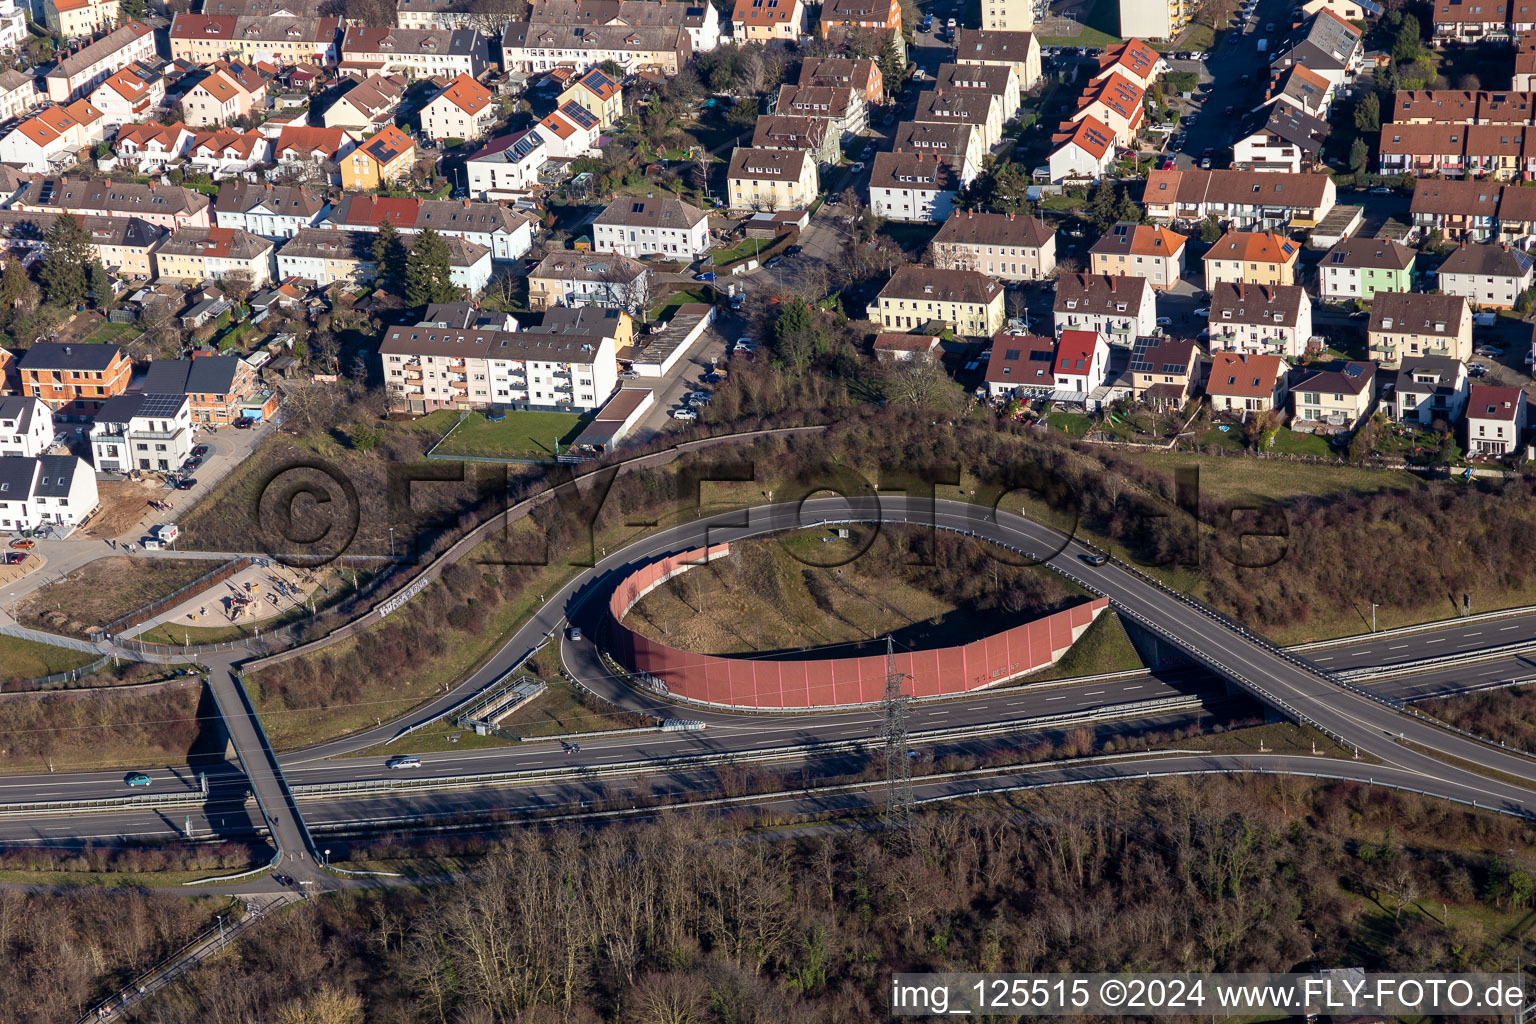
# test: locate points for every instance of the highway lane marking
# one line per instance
(1503, 628)
(1397, 648)
(1478, 633)
(1441, 640)
(1062, 697)
(1137, 687)
(937, 713)
(1329, 658)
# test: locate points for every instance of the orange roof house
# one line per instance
(385, 159)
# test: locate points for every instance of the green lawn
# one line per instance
(701, 294)
(749, 249)
(1097, 29)
(1226, 439)
(110, 333)
(1230, 478)
(1073, 424)
(23, 659)
(1288, 442)
(518, 435)
(1103, 647)
(1197, 37)
(909, 236)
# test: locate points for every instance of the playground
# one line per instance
(253, 598)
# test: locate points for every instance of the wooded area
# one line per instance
(683, 922)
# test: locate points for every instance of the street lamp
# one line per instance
(1374, 606)
(391, 542)
(327, 861)
(221, 929)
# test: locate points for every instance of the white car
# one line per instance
(858, 166)
(1381, 190)
(1203, 311)
(403, 761)
(1164, 321)
(684, 413)
(698, 398)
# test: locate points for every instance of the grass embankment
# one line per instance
(25, 659)
(1104, 647)
(1506, 715)
(78, 730)
(1226, 479)
(105, 590)
(811, 588)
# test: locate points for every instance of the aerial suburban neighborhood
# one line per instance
(731, 511)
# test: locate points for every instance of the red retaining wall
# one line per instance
(746, 682)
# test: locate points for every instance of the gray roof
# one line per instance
(1285, 122)
(1100, 293)
(57, 473)
(1488, 261)
(1256, 303)
(651, 213)
(205, 375)
(1417, 313)
(285, 200)
(19, 409)
(1372, 253)
(16, 476)
(1428, 375)
(52, 355)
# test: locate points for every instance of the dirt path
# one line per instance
(125, 503)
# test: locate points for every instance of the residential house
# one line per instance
(151, 148)
(1140, 250)
(811, 134)
(126, 246)
(368, 104)
(1459, 210)
(878, 16)
(384, 160)
(1020, 366)
(568, 364)
(1524, 79)
(861, 74)
(168, 206)
(1082, 362)
(1245, 199)
(662, 49)
(80, 19)
(1019, 50)
(999, 79)
(954, 142)
(965, 301)
(1116, 102)
(569, 132)
(701, 22)
(1428, 389)
(26, 427)
(1243, 384)
(1358, 268)
(1164, 371)
(1325, 44)
(51, 136)
(771, 179)
(599, 95)
(271, 211)
(1002, 245)
(1133, 60)
(906, 348)
(13, 25)
(1120, 308)
(763, 21)
(142, 431)
(74, 379)
(1349, 10)
(589, 279)
(219, 389)
(283, 40)
(1408, 325)
(1007, 16)
(1517, 216)
(55, 493)
(132, 94)
(222, 95)
(77, 74)
(211, 254)
(19, 94)
(1254, 319)
(1337, 399)
(418, 53)
(641, 227)
(298, 146)
(1253, 257)
(328, 255)
(464, 109)
(910, 186)
(1302, 90)
(1085, 149)
(1495, 420)
(228, 152)
(507, 167)
(1469, 21)
(842, 106)
(1283, 138)
(1489, 276)
(507, 233)
(980, 109)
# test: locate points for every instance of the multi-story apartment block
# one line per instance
(1008, 15)
(1001, 245)
(142, 431)
(505, 232)
(463, 109)
(764, 21)
(507, 167)
(965, 301)
(640, 227)
(26, 427)
(862, 74)
(536, 48)
(74, 379)
(55, 493)
(282, 41)
(1252, 257)
(219, 389)
(1120, 308)
(1407, 325)
(271, 211)
(589, 279)
(1245, 199)
(1140, 250)
(1018, 50)
(1491, 276)
(914, 186)
(1154, 19)
(79, 73)
(210, 254)
(771, 179)
(1261, 320)
(419, 53)
(168, 206)
(882, 16)
(1358, 268)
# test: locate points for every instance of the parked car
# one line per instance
(24, 544)
(773, 261)
(403, 761)
(684, 413)
(794, 250)
(184, 483)
(1203, 311)
(15, 557)
(200, 451)
(628, 375)
(138, 779)
(858, 165)
(1164, 321)
(699, 397)
(1381, 190)
(708, 275)
(244, 423)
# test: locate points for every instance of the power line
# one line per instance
(898, 755)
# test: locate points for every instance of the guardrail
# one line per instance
(1404, 668)
(191, 798)
(1423, 627)
(451, 709)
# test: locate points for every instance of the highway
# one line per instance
(1356, 718)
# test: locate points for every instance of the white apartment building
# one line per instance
(53, 492)
(508, 167)
(639, 227)
(1257, 319)
(151, 433)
